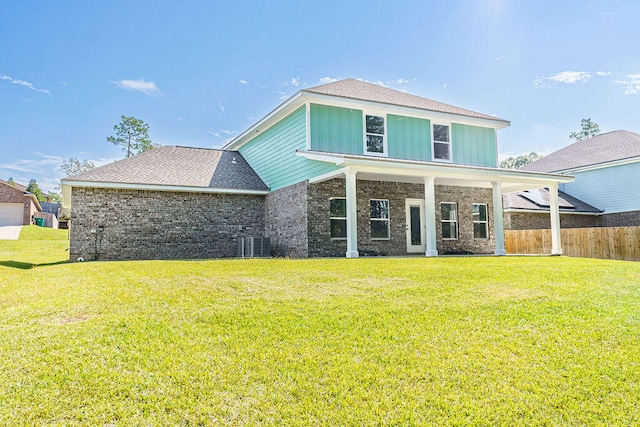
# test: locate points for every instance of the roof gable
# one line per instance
(360, 90)
(604, 148)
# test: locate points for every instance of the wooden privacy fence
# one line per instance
(605, 243)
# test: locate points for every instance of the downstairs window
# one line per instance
(338, 217)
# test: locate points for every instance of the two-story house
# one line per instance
(342, 169)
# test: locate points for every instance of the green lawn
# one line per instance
(378, 341)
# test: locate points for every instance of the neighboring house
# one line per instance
(342, 169)
(17, 206)
(529, 210)
(607, 175)
(51, 207)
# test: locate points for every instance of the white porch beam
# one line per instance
(556, 246)
(498, 220)
(430, 216)
(352, 215)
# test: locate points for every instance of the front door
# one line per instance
(415, 225)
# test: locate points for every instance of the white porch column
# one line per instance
(498, 221)
(556, 247)
(352, 215)
(430, 216)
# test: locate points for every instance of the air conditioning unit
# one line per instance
(251, 247)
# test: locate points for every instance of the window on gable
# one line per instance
(379, 219)
(449, 220)
(441, 143)
(480, 221)
(338, 215)
(374, 134)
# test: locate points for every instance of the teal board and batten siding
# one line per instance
(614, 189)
(272, 154)
(474, 145)
(336, 129)
(409, 138)
(340, 130)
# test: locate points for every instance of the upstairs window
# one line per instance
(374, 135)
(480, 221)
(441, 143)
(338, 215)
(449, 220)
(379, 219)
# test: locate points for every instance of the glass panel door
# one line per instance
(415, 225)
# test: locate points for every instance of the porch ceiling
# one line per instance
(409, 171)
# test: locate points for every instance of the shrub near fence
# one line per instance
(604, 243)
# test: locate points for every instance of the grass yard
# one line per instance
(413, 341)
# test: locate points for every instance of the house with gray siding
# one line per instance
(529, 210)
(607, 176)
(344, 169)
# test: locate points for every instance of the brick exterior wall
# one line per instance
(542, 221)
(321, 244)
(286, 220)
(8, 194)
(621, 219)
(140, 224)
(464, 197)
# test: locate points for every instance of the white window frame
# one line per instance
(337, 217)
(434, 142)
(385, 149)
(388, 219)
(485, 222)
(455, 221)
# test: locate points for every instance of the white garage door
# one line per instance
(11, 213)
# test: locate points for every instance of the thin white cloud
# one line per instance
(214, 133)
(399, 81)
(141, 85)
(44, 168)
(295, 81)
(445, 85)
(570, 77)
(41, 164)
(632, 84)
(228, 132)
(325, 80)
(23, 83)
(244, 82)
(378, 82)
(567, 77)
(400, 84)
(603, 73)
(216, 94)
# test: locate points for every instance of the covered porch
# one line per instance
(431, 218)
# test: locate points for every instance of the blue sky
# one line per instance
(200, 72)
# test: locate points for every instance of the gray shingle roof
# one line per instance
(357, 89)
(608, 147)
(179, 166)
(568, 203)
